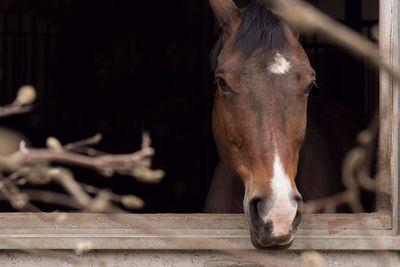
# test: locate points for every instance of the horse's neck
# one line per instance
(226, 192)
(330, 135)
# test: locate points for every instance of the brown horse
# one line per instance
(259, 120)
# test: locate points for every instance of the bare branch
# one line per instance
(119, 163)
(22, 104)
(48, 197)
(14, 110)
(329, 203)
(65, 178)
(310, 19)
(87, 142)
(32, 166)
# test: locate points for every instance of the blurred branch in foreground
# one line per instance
(34, 166)
(356, 174)
(22, 104)
(135, 164)
(309, 19)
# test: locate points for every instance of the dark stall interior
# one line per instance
(123, 67)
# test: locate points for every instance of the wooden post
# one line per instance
(388, 191)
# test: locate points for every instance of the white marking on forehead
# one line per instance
(280, 65)
(283, 208)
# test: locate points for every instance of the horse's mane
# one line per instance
(259, 27)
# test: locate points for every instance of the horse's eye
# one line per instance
(310, 86)
(224, 86)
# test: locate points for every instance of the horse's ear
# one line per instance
(226, 11)
(294, 31)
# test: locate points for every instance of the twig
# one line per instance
(66, 179)
(49, 197)
(14, 110)
(120, 163)
(22, 104)
(328, 203)
(83, 143)
(33, 166)
(62, 255)
(310, 19)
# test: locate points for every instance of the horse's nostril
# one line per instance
(298, 216)
(297, 219)
(255, 207)
(297, 198)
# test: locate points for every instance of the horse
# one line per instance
(259, 120)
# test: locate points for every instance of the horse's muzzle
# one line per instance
(271, 233)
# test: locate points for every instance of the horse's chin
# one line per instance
(259, 243)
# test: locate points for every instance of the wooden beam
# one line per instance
(186, 231)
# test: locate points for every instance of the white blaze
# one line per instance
(283, 208)
(280, 65)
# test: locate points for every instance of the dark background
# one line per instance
(122, 67)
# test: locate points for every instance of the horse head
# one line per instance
(259, 118)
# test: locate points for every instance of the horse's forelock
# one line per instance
(259, 27)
